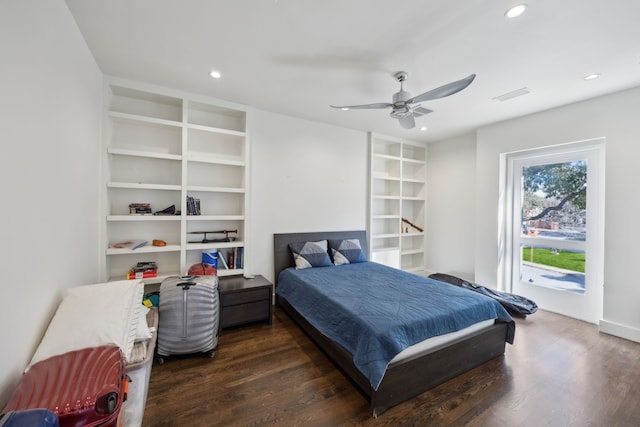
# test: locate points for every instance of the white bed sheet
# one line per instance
(436, 342)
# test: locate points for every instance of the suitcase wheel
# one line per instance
(107, 404)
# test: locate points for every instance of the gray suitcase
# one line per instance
(188, 315)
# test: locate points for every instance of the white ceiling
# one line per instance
(296, 57)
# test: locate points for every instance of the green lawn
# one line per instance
(568, 260)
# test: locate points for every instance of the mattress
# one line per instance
(140, 373)
(435, 343)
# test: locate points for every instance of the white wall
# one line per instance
(50, 121)
(450, 231)
(616, 118)
(306, 176)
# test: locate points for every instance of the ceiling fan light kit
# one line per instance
(404, 108)
(516, 11)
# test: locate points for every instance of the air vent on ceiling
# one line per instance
(512, 94)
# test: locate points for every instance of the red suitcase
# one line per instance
(83, 388)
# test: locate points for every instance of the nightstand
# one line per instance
(244, 301)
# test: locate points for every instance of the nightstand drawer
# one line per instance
(248, 296)
(246, 313)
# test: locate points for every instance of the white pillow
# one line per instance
(94, 315)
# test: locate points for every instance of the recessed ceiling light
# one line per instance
(592, 76)
(215, 74)
(344, 109)
(516, 11)
(423, 128)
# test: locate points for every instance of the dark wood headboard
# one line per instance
(282, 257)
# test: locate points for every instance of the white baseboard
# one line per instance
(622, 331)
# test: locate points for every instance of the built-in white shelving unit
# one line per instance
(397, 192)
(160, 147)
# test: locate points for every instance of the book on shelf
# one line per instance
(239, 257)
(143, 270)
(193, 206)
(231, 258)
(140, 209)
(141, 275)
(132, 244)
(222, 265)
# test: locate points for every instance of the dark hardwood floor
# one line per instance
(559, 372)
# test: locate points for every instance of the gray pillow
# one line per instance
(310, 254)
(346, 251)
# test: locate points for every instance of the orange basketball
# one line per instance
(202, 269)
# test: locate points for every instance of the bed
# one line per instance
(109, 313)
(421, 364)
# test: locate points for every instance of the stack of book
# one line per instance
(143, 270)
(233, 259)
(140, 209)
(193, 206)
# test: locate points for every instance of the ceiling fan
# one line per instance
(403, 107)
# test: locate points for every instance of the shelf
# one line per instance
(386, 177)
(215, 189)
(386, 157)
(412, 234)
(151, 218)
(386, 217)
(383, 197)
(414, 161)
(140, 153)
(230, 272)
(385, 249)
(215, 217)
(386, 236)
(143, 119)
(414, 180)
(147, 281)
(412, 252)
(216, 130)
(141, 186)
(216, 160)
(214, 245)
(143, 250)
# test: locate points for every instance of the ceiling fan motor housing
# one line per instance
(400, 106)
(400, 111)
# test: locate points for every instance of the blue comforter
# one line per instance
(375, 311)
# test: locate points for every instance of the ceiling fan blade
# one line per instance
(407, 122)
(420, 111)
(442, 91)
(365, 106)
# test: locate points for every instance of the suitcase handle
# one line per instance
(185, 288)
(186, 285)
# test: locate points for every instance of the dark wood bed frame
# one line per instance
(401, 381)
